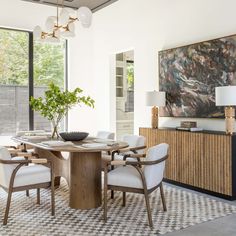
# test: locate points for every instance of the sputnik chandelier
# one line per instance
(63, 24)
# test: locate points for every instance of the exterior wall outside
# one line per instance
(14, 109)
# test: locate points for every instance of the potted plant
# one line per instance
(57, 103)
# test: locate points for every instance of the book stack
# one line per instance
(189, 126)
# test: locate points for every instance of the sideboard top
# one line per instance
(203, 131)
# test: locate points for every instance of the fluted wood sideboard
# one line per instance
(203, 161)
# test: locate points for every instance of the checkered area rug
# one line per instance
(184, 210)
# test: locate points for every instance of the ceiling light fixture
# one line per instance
(63, 24)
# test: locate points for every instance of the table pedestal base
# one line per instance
(85, 180)
(82, 171)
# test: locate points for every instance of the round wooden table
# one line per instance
(82, 169)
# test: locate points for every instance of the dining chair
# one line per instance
(138, 176)
(136, 146)
(16, 175)
(105, 135)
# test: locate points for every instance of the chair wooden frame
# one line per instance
(138, 166)
(12, 189)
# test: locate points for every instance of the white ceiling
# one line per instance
(94, 5)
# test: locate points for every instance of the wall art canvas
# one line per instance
(189, 75)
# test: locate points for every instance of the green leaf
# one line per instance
(56, 103)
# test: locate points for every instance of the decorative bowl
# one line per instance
(74, 136)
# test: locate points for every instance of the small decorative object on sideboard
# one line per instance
(188, 124)
(74, 136)
(191, 129)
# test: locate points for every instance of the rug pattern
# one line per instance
(184, 210)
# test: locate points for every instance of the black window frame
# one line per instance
(31, 72)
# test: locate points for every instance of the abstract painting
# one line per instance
(189, 75)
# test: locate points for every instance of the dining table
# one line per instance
(81, 169)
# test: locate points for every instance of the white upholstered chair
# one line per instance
(105, 135)
(16, 175)
(136, 146)
(129, 176)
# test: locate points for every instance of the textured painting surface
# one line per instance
(190, 74)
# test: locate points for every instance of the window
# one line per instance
(26, 68)
(48, 67)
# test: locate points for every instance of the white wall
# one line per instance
(146, 27)
(23, 15)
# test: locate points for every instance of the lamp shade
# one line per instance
(156, 98)
(225, 96)
(85, 16)
(49, 25)
(37, 32)
(64, 17)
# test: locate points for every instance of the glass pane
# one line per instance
(49, 66)
(14, 94)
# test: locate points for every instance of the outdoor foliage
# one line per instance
(48, 60)
(130, 75)
(56, 103)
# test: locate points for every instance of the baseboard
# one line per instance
(215, 194)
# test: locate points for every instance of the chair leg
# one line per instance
(53, 197)
(112, 194)
(112, 168)
(124, 199)
(38, 196)
(105, 196)
(148, 209)
(57, 181)
(7, 207)
(163, 197)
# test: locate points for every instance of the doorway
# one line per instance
(124, 93)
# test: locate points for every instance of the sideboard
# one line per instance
(203, 161)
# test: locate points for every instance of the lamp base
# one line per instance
(155, 117)
(229, 120)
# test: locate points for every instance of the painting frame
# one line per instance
(225, 72)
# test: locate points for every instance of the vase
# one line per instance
(55, 128)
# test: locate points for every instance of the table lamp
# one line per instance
(226, 96)
(155, 99)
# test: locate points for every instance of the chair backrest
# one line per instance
(105, 135)
(135, 141)
(5, 169)
(154, 173)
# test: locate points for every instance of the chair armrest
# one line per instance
(14, 162)
(132, 149)
(143, 163)
(39, 161)
(13, 147)
(135, 155)
(137, 148)
(26, 154)
(117, 163)
(137, 163)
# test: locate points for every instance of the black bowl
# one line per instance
(74, 136)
